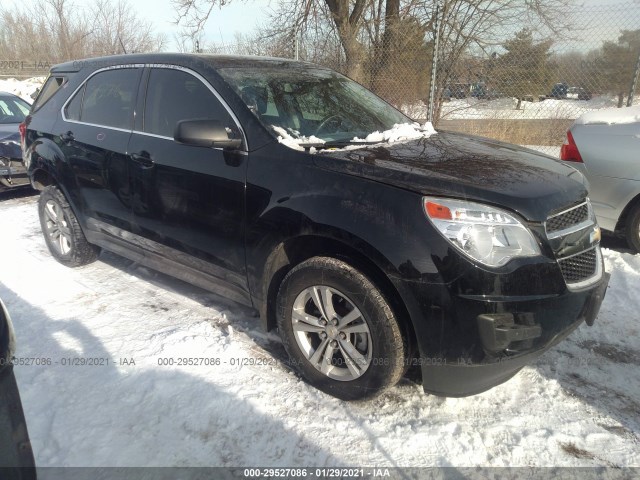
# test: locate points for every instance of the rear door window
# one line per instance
(72, 110)
(109, 98)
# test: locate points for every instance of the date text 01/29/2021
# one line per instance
(327, 472)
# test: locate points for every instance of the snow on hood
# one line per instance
(611, 116)
(399, 132)
(292, 141)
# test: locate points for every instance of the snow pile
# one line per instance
(399, 132)
(287, 138)
(22, 88)
(611, 116)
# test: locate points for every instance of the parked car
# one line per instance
(13, 111)
(559, 90)
(578, 93)
(279, 184)
(16, 456)
(459, 90)
(603, 145)
(481, 91)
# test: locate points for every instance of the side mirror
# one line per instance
(204, 133)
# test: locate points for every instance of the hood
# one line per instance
(10, 141)
(462, 166)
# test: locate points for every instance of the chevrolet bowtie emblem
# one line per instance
(596, 235)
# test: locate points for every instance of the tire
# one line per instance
(633, 228)
(62, 232)
(354, 360)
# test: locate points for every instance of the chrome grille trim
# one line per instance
(564, 220)
(589, 280)
(586, 268)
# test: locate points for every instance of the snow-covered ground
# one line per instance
(505, 108)
(577, 406)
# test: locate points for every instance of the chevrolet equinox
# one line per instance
(372, 243)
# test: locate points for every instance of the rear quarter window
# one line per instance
(48, 90)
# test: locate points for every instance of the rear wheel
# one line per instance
(339, 330)
(633, 228)
(62, 232)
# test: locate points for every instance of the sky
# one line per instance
(241, 16)
(244, 16)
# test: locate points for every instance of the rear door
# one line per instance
(94, 132)
(188, 202)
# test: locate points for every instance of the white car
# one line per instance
(605, 146)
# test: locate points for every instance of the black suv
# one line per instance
(373, 244)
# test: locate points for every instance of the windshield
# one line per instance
(13, 110)
(310, 103)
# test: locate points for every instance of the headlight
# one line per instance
(486, 234)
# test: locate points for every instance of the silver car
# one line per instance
(605, 146)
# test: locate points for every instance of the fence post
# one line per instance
(634, 81)
(434, 67)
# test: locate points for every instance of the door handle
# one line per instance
(67, 137)
(143, 158)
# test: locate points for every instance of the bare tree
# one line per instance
(363, 24)
(117, 29)
(59, 30)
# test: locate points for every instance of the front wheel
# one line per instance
(338, 329)
(62, 232)
(633, 229)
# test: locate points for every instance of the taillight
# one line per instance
(23, 131)
(569, 150)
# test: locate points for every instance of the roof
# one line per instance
(185, 59)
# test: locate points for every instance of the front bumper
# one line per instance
(508, 346)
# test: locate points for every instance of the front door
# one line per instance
(188, 202)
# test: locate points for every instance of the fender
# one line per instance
(45, 156)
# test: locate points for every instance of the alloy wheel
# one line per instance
(332, 333)
(57, 227)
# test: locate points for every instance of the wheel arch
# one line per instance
(631, 205)
(290, 253)
(42, 178)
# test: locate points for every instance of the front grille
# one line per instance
(564, 220)
(579, 267)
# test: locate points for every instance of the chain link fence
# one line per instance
(530, 88)
(524, 86)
